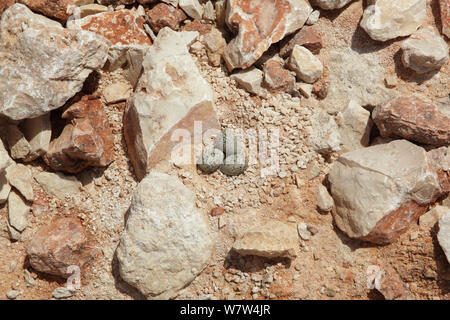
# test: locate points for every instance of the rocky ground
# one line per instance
(91, 94)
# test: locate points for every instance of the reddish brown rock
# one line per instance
(86, 141)
(445, 16)
(308, 37)
(278, 78)
(414, 119)
(391, 286)
(258, 24)
(51, 8)
(202, 28)
(123, 28)
(163, 15)
(58, 245)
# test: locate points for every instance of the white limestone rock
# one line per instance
(389, 19)
(424, 51)
(444, 234)
(166, 242)
(307, 66)
(42, 64)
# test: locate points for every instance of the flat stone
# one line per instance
(303, 232)
(32, 84)
(166, 242)
(5, 160)
(412, 118)
(330, 4)
(62, 293)
(124, 30)
(395, 183)
(355, 126)
(117, 92)
(58, 245)
(313, 18)
(443, 235)
(445, 16)
(170, 95)
(18, 211)
(58, 184)
(260, 24)
(424, 51)
(251, 80)
(389, 19)
(163, 15)
(193, 8)
(91, 9)
(391, 286)
(276, 77)
(38, 132)
(19, 176)
(432, 216)
(86, 141)
(305, 89)
(324, 200)
(308, 37)
(307, 66)
(270, 240)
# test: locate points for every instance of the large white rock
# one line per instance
(330, 4)
(306, 65)
(354, 127)
(166, 242)
(424, 51)
(42, 64)
(354, 76)
(378, 191)
(444, 234)
(389, 19)
(171, 94)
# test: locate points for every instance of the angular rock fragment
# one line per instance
(251, 80)
(308, 37)
(86, 141)
(391, 286)
(5, 160)
(19, 147)
(307, 66)
(193, 8)
(91, 9)
(5, 188)
(18, 212)
(273, 239)
(276, 77)
(58, 184)
(170, 95)
(44, 64)
(324, 133)
(215, 43)
(444, 234)
(414, 119)
(389, 19)
(324, 200)
(58, 9)
(123, 28)
(380, 190)
(19, 176)
(166, 242)
(117, 92)
(38, 132)
(163, 15)
(59, 245)
(354, 127)
(258, 25)
(430, 218)
(424, 51)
